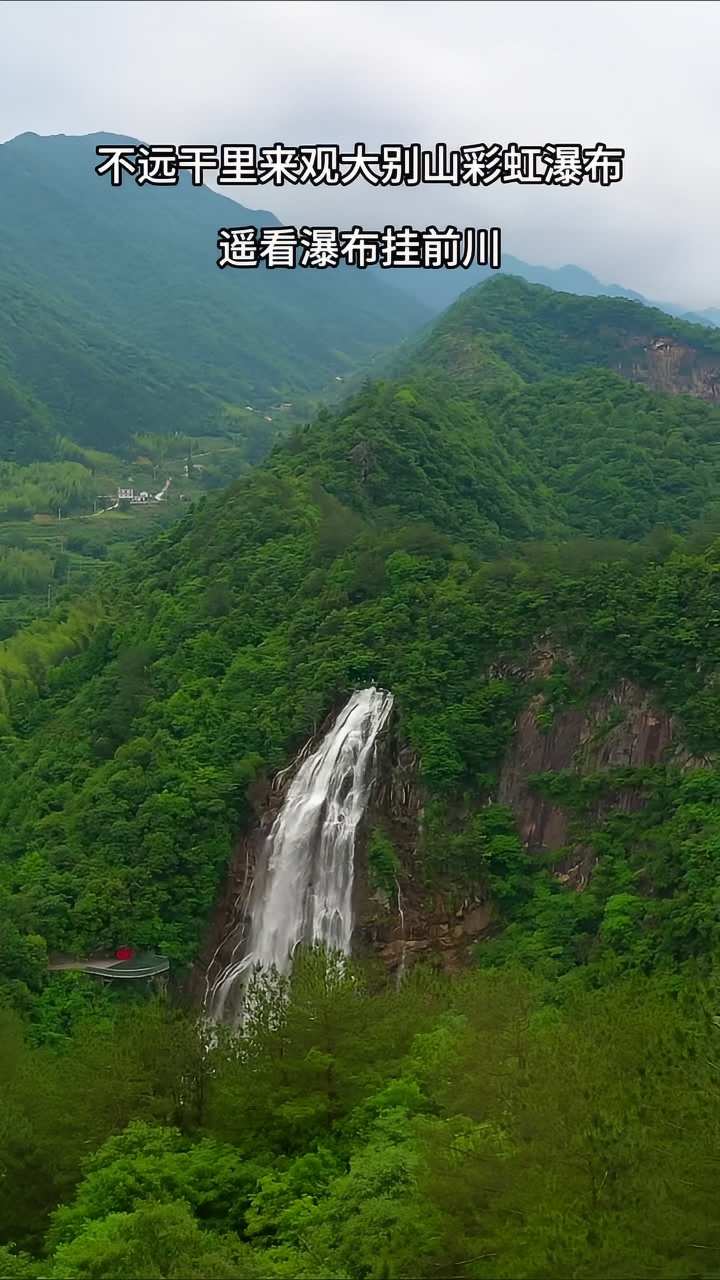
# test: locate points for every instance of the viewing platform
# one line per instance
(121, 966)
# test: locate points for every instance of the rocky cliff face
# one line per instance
(395, 927)
(663, 364)
(411, 921)
(622, 728)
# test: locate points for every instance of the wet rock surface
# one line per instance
(622, 728)
(265, 797)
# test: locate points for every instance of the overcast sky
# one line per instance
(643, 76)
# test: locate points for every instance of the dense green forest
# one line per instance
(62, 521)
(116, 318)
(536, 331)
(465, 1126)
(553, 1111)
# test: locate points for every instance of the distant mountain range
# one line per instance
(115, 318)
(439, 289)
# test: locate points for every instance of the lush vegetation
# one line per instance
(510, 327)
(127, 781)
(554, 1111)
(116, 319)
(61, 522)
(465, 1127)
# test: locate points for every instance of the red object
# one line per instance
(124, 953)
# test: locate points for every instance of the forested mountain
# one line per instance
(128, 360)
(115, 316)
(521, 544)
(535, 331)
(589, 454)
(63, 373)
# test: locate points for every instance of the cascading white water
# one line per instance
(303, 887)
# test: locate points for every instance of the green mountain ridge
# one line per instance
(107, 286)
(520, 414)
(553, 1109)
(407, 487)
(84, 383)
(535, 331)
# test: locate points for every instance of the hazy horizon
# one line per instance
(630, 75)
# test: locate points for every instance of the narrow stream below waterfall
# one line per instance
(302, 892)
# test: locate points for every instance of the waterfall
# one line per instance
(302, 891)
